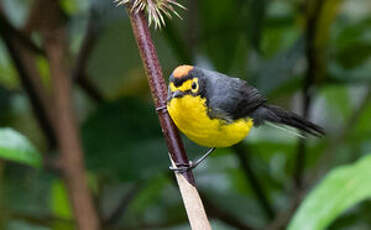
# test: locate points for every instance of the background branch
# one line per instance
(226, 217)
(67, 132)
(122, 206)
(68, 138)
(30, 78)
(79, 73)
(283, 218)
(242, 155)
(313, 13)
(336, 143)
(19, 36)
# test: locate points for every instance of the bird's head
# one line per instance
(186, 80)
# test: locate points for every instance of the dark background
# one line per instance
(311, 57)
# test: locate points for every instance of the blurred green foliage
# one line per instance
(260, 41)
(342, 188)
(15, 147)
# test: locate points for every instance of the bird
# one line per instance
(215, 110)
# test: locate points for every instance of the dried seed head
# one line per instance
(155, 9)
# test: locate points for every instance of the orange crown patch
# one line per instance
(182, 71)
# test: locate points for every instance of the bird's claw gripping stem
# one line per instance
(162, 108)
(181, 168)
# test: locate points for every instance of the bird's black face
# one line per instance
(185, 80)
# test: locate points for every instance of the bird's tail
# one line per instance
(275, 114)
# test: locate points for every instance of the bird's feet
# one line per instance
(181, 168)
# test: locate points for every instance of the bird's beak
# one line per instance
(175, 94)
(178, 93)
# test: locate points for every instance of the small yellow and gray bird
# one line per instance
(215, 110)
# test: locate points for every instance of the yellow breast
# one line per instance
(190, 115)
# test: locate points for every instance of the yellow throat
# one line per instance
(190, 115)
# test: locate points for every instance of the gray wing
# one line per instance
(232, 98)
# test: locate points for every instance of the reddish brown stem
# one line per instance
(158, 88)
(193, 204)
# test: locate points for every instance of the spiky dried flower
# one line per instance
(155, 9)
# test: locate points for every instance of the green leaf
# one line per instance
(15, 147)
(341, 189)
(8, 75)
(60, 207)
(59, 200)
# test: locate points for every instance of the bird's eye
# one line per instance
(194, 85)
